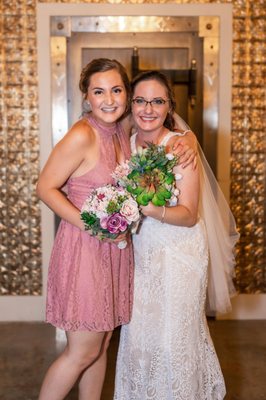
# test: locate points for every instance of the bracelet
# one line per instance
(163, 215)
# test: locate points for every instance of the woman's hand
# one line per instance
(120, 238)
(152, 211)
(185, 147)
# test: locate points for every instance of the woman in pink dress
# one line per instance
(90, 281)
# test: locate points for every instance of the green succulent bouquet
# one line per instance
(149, 176)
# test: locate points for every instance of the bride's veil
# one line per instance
(222, 236)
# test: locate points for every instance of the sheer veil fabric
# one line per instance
(222, 236)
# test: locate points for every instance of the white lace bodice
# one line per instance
(163, 142)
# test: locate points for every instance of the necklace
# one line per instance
(106, 130)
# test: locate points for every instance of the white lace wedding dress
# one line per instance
(166, 352)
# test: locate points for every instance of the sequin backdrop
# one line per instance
(20, 233)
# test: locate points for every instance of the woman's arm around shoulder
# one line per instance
(185, 147)
(65, 160)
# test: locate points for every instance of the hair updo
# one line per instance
(103, 65)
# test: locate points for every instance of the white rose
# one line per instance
(173, 201)
(141, 151)
(178, 177)
(169, 156)
(130, 210)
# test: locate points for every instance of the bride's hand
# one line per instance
(152, 211)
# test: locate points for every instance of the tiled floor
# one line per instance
(27, 349)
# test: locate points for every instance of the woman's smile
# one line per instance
(107, 96)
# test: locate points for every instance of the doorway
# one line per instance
(56, 23)
(185, 48)
(177, 54)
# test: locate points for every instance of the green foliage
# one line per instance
(112, 207)
(89, 220)
(92, 224)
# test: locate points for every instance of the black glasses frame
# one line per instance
(154, 102)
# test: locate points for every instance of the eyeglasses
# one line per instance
(158, 102)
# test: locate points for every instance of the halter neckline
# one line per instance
(107, 130)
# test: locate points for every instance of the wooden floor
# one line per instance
(27, 349)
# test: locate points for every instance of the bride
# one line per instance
(166, 352)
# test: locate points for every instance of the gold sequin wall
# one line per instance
(20, 230)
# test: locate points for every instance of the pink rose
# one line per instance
(130, 210)
(117, 223)
(103, 222)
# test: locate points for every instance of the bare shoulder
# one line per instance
(189, 173)
(81, 133)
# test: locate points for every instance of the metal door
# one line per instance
(178, 54)
(186, 46)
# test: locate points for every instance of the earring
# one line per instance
(86, 107)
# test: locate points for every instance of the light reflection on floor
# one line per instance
(27, 349)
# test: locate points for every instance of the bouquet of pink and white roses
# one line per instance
(110, 211)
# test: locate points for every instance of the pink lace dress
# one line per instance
(90, 283)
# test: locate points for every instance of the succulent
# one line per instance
(151, 177)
